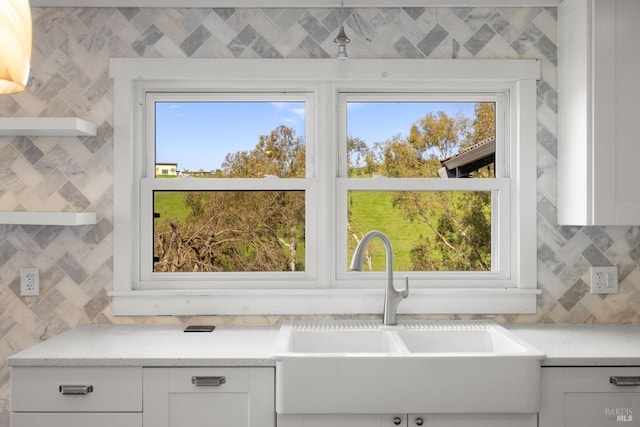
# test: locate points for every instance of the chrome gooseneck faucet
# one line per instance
(392, 297)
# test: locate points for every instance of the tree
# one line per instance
(361, 161)
(242, 230)
(280, 154)
(484, 125)
(438, 135)
(461, 238)
(403, 159)
(458, 224)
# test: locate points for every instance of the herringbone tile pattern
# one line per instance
(70, 78)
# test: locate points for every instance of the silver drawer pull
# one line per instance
(208, 381)
(625, 381)
(76, 389)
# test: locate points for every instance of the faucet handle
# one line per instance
(405, 291)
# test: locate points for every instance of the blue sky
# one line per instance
(198, 135)
(379, 121)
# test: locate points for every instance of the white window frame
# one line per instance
(203, 280)
(502, 239)
(323, 290)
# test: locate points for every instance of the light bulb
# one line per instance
(15, 54)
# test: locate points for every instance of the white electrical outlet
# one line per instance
(604, 280)
(29, 281)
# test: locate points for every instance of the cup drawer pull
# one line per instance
(625, 381)
(75, 389)
(208, 381)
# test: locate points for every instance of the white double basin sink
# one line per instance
(364, 367)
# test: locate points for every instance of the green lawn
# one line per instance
(170, 205)
(372, 210)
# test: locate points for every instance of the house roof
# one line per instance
(469, 159)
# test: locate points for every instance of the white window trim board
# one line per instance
(133, 77)
(322, 302)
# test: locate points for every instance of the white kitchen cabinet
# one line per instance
(472, 420)
(342, 420)
(409, 420)
(598, 92)
(63, 396)
(53, 419)
(212, 397)
(116, 396)
(588, 397)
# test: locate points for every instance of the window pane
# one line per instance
(421, 139)
(229, 231)
(429, 230)
(230, 139)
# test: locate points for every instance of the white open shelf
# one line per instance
(48, 218)
(46, 126)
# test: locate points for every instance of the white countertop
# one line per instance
(564, 345)
(584, 344)
(99, 345)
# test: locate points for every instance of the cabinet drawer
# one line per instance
(70, 389)
(596, 379)
(57, 419)
(590, 397)
(230, 380)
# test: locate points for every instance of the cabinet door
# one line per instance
(586, 397)
(211, 397)
(473, 420)
(61, 419)
(599, 144)
(616, 92)
(412, 420)
(343, 420)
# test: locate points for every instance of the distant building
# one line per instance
(167, 169)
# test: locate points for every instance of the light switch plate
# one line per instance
(604, 280)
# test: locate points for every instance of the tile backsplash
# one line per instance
(70, 77)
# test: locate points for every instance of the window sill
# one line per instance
(321, 301)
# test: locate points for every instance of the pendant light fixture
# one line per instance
(15, 45)
(342, 38)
